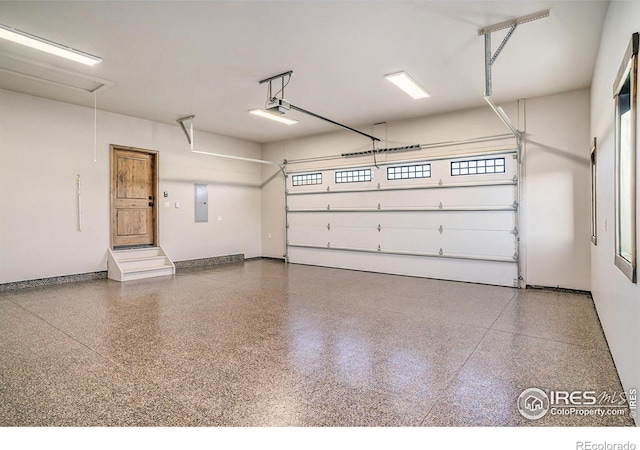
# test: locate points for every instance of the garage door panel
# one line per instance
(477, 196)
(449, 220)
(311, 201)
(465, 232)
(356, 237)
(458, 220)
(486, 272)
(411, 240)
(430, 241)
(308, 235)
(481, 196)
(480, 244)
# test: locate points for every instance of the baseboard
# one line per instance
(268, 258)
(559, 289)
(203, 263)
(51, 281)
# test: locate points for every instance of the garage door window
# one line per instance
(407, 172)
(354, 176)
(307, 179)
(477, 166)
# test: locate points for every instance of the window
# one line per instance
(405, 172)
(624, 92)
(477, 167)
(354, 176)
(594, 209)
(306, 179)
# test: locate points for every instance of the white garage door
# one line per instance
(448, 218)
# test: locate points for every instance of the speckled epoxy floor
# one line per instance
(262, 343)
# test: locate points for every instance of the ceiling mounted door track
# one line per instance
(278, 105)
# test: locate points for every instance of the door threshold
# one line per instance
(133, 247)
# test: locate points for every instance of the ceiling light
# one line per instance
(268, 115)
(38, 43)
(408, 84)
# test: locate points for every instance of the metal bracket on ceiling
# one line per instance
(503, 116)
(269, 80)
(188, 133)
(489, 58)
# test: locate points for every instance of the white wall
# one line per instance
(557, 190)
(45, 144)
(555, 243)
(617, 299)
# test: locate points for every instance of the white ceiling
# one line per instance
(167, 60)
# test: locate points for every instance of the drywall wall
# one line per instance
(556, 142)
(557, 190)
(46, 144)
(617, 299)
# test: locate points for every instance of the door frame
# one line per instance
(155, 155)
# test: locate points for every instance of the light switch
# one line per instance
(177, 205)
(219, 218)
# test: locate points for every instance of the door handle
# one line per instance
(150, 203)
(151, 197)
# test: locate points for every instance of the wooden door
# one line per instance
(133, 197)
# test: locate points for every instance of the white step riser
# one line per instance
(147, 274)
(144, 263)
(138, 253)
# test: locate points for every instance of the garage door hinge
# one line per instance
(378, 186)
(328, 244)
(515, 205)
(378, 205)
(440, 252)
(515, 178)
(515, 256)
(328, 188)
(379, 228)
(328, 207)
(287, 225)
(440, 229)
(379, 248)
(440, 206)
(514, 231)
(328, 226)
(440, 182)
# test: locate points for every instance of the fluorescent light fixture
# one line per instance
(408, 84)
(268, 115)
(38, 43)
